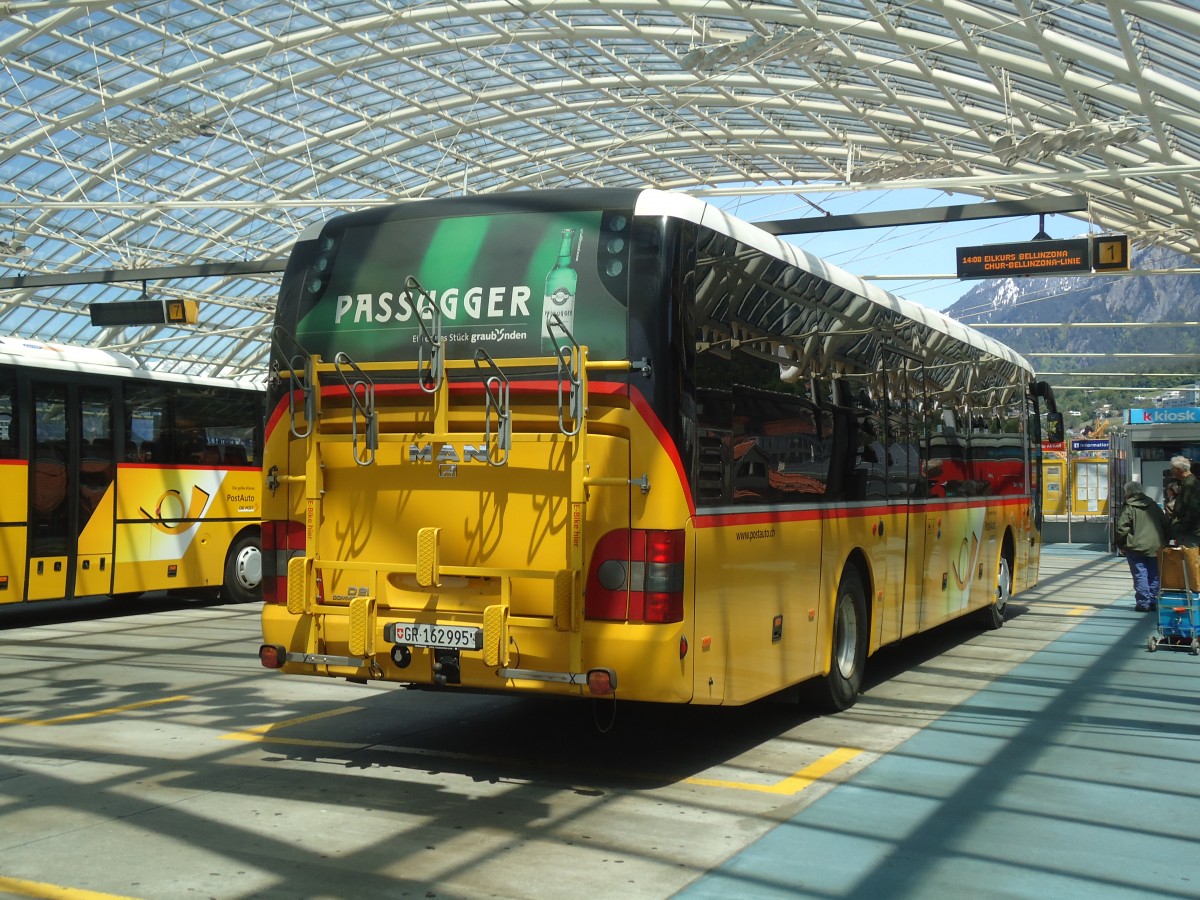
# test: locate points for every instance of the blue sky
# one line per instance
(908, 250)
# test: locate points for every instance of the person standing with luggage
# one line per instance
(1141, 532)
(1185, 518)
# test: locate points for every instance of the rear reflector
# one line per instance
(602, 682)
(272, 656)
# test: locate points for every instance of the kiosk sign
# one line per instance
(1165, 415)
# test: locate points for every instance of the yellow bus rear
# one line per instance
(467, 488)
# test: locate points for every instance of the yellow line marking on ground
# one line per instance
(265, 733)
(53, 891)
(75, 717)
(793, 784)
(1080, 610)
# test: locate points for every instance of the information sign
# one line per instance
(1165, 415)
(1027, 258)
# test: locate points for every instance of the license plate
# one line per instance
(422, 634)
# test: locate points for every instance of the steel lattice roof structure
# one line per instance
(143, 135)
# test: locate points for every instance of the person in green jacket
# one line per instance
(1142, 530)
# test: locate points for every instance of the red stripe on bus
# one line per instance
(766, 517)
(650, 417)
(179, 466)
(529, 388)
(643, 408)
(277, 414)
(467, 386)
(843, 511)
(966, 502)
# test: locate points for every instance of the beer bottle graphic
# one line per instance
(559, 300)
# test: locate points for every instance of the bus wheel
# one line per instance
(991, 616)
(243, 571)
(839, 689)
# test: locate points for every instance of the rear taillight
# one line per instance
(606, 595)
(636, 576)
(281, 540)
(662, 593)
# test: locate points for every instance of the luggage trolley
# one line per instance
(1178, 607)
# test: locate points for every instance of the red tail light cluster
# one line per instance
(636, 576)
(281, 540)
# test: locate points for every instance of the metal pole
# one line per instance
(1070, 489)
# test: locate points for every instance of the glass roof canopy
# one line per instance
(169, 133)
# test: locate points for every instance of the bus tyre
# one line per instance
(991, 616)
(839, 689)
(243, 571)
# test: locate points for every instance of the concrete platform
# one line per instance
(1074, 775)
(145, 754)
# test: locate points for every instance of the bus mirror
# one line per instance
(1054, 427)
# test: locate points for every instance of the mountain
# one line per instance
(1098, 298)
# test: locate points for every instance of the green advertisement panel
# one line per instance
(496, 280)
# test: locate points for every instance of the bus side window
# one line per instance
(868, 479)
(95, 472)
(946, 461)
(51, 478)
(147, 420)
(8, 422)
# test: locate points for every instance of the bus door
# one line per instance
(905, 486)
(68, 483)
(948, 554)
(14, 483)
(894, 415)
(97, 492)
(51, 546)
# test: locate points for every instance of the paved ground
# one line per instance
(145, 754)
(1075, 774)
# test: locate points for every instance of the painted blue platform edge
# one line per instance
(1076, 775)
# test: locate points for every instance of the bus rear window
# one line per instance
(509, 283)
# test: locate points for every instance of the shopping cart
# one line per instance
(1178, 607)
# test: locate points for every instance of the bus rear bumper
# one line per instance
(598, 681)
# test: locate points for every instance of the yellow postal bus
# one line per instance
(619, 443)
(115, 480)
